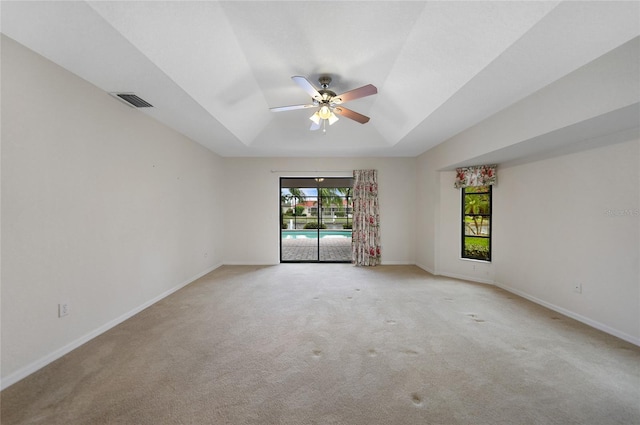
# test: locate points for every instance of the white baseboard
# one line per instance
(250, 263)
(594, 324)
(55, 355)
(426, 269)
(468, 278)
(396, 263)
(456, 276)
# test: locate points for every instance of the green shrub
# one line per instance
(477, 251)
(314, 225)
(347, 226)
(285, 225)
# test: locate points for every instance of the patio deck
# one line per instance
(331, 249)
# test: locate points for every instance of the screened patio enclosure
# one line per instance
(316, 216)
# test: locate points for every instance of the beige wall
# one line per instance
(559, 222)
(570, 220)
(550, 228)
(107, 210)
(102, 207)
(253, 199)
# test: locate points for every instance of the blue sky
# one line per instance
(308, 192)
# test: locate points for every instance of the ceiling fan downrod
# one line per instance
(324, 81)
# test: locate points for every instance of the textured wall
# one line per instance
(102, 208)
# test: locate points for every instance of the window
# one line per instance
(476, 223)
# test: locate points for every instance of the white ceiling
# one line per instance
(213, 69)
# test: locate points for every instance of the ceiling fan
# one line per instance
(329, 103)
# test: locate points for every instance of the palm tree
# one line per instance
(331, 196)
(295, 194)
(291, 200)
(475, 206)
(346, 193)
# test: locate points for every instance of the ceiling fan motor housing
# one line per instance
(327, 94)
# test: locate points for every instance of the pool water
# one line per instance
(313, 234)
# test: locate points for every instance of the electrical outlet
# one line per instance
(578, 288)
(63, 309)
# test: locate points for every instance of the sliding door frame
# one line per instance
(316, 183)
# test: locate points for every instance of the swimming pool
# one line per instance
(313, 234)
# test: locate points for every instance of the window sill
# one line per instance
(475, 260)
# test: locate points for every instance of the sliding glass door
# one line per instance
(315, 219)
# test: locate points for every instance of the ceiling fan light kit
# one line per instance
(327, 102)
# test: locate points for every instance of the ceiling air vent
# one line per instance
(132, 100)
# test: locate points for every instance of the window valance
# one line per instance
(481, 175)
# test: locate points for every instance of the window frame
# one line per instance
(464, 215)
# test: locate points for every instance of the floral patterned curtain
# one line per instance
(482, 175)
(365, 247)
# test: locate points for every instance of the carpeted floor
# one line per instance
(336, 344)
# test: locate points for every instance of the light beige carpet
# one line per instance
(336, 344)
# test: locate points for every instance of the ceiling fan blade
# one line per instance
(314, 126)
(291, 108)
(362, 119)
(363, 91)
(307, 86)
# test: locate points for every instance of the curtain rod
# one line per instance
(312, 171)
